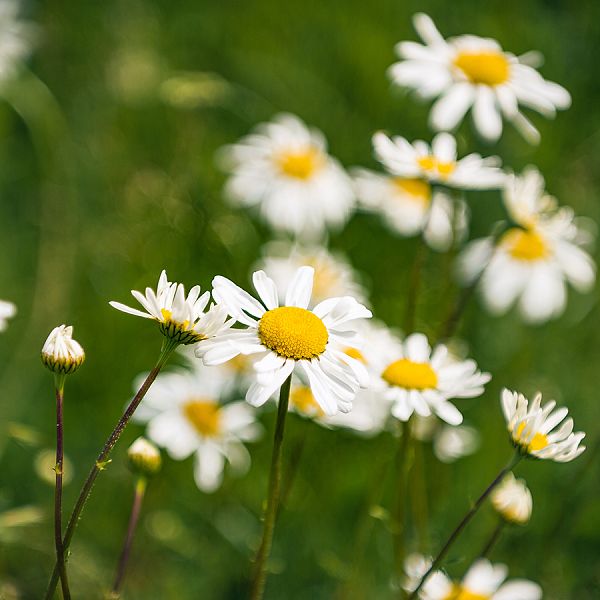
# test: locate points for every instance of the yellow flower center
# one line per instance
(486, 68)
(239, 364)
(204, 415)
(410, 375)
(416, 189)
(183, 332)
(538, 442)
(293, 332)
(167, 315)
(440, 168)
(461, 593)
(325, 279)
(356, 353)
(525, 244)
(302, 164)
(303, 400)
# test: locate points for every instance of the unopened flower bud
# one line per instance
(512, 500)
(61, 353)
(144, 457)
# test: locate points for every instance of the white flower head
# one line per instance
(512, 500)
(483, 581)
(61, 353)
(16, 37)
(184, 319)
(449, 442)
(284, 169)
(144, 457)
(471, 72)
(438, 163)
(7, 311)
(416, 378)
(533, 428)
(289, 336)
(409, 206)
(185, 415)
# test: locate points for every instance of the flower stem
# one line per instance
(58, 469)
(464, 522)
(418, 494)
(260, 563)
(414, 286)
(138, 498)
(403, 467)
(493, 539)
(102, 460)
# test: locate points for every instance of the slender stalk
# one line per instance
(493, 539)
(138, 498)
(58, 469)
(414, 286)
(293, 464)
(260, 563)
(102, 460)
(418, 494)
(403, 463)
(464, 522)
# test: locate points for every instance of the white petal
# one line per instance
(300, 289)
(266, 288)
(486, 114)
(208, 467)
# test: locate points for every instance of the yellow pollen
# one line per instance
(410, 375)
(293, 332)
(486, 68)
(204, 415)
(356, 353)
(538, 442)
(303, 400)
(461, 593)
(525, 244)
(440, 168)
(300, 164)
(167, 315)
(416, 189)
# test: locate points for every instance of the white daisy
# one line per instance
(144, 458)
(185, 415)
(449, 442)
(410, 206)
(417, 379)
(16, 38)
(334, 276)
(290, 336)
(438, 163)
(470, 72)
(512, 500)
(180, 318)
(530, 264)
(532, 428)
(61, 353)
(284, 169)
(7, 311)
(483, 581)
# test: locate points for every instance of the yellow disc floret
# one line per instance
(410, 375)
(530, 444)
(355, 353)
(487, 68)
(441, 169)
(293, 332)
(204, 415)
(525, 244)
(303, 400)
(182, 332)
(415, 189)
(300, 164)
(461, 593)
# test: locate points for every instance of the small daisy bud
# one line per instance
(512, 500)
(61, 353)
(144, 457)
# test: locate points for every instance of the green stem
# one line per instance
(399, 521)
(464, 522)
(493, 539)
(102, 460)
(260, 563)
(414, 286)
(418, 494)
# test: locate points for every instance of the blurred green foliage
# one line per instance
(108, 175)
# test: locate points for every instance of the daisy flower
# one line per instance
(334, 276)
(181, 318)
(483, 581)
(15, 38)
(512, 500)
(144, 458)
(289, 336)
(284, 169)
(409, 206)
(530, 264)
(61, 353)
(184, 414)
(438, 163)
(7, 311)
(471, 72)
(533, 428)
(449, 442)
(416, 378)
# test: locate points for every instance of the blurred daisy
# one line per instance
(533, 428)
(512, 500)
(437, 163)
(184, 415)
(181, 318)
(416, 379)
(284, 169)
(530, 264)
(483, 581)
(449, 442)
(7, 311)
(334, 276)
(471, 72)
(290, 336)
(16, 38)
(409, 207)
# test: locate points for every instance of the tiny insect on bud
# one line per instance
(144, 457)
(61, 353)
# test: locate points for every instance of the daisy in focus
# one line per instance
(529, 265)
(183, 319)
(7, 311)
(438, 163)
(284, 169)
(16, 38)
(512, 500)
(449, 442)
(61, 353)
(184, 414)
(471, 72)
(417, 379)
(290, 336)
(533, 428)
